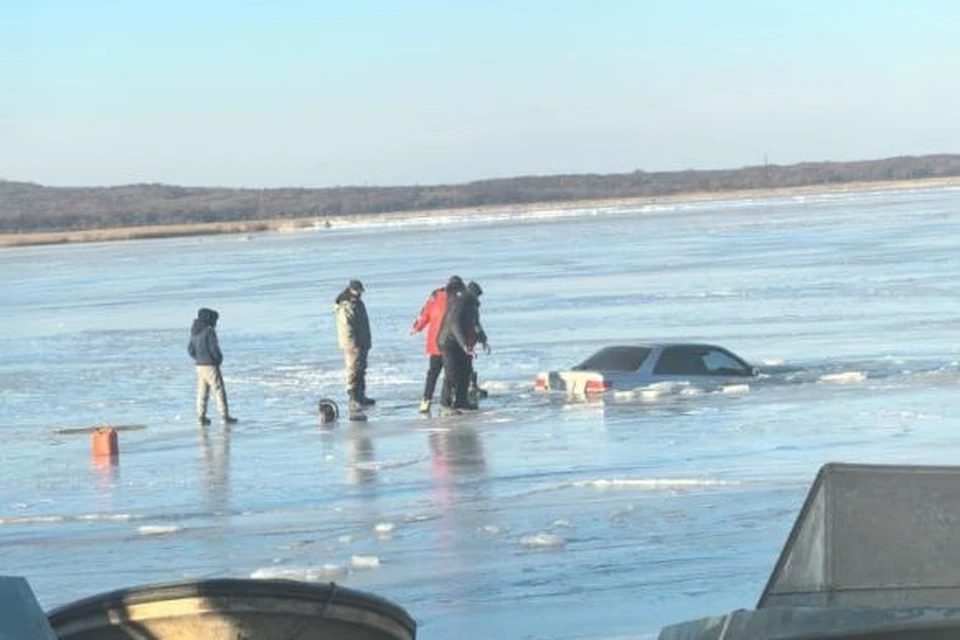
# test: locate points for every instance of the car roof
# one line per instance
(627, 358)
(660, 345)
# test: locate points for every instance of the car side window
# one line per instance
(680, 361)
(615, 359)
(722, 363)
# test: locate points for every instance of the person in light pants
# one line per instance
(353, 336)
(204, 348)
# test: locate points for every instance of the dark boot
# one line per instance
(355, 407)
(361, 394)
(475, 392)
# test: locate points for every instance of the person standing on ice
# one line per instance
(474, 392)
(430, 318)
(475, 336)
(204, 348)
(456, 340)
(353, 336)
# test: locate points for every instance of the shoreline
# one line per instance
(294, 224)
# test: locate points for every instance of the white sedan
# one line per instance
(634, 366)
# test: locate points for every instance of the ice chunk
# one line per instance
(364, 562)
(543, 541)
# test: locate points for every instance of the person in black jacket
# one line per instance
(475, 337)
(475, 391)
(456, 340)
(204, 348)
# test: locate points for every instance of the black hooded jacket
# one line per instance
(460, 321)
(204, 347)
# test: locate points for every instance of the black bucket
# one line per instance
(327, 411)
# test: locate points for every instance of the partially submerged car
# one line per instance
(634, 366)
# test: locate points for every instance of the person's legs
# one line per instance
(350, 357)
(351, 373)
(430, 386)
(461, 380)
(449, 374)
(220, 394)
(467, 373)
(203, 394)
(362, 379)
(475, 390)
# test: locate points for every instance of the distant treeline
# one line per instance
(28, 207)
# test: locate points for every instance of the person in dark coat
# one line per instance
(353, 336)
(456, 340)
(475, 391)
(430, 318)
(204, 348)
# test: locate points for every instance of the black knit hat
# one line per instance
(454, 285)
(356, 285)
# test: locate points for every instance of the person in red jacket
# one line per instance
(430, 318)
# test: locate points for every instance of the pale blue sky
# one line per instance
(313, 93)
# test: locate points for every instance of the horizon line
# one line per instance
(765, 165)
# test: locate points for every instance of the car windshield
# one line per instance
(615, 359)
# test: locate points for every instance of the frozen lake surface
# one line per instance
(538, 518)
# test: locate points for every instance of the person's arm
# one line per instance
(424, 318)
(350, 321)
(214, 346)
(460, 336)
(367, 333)
(466, 317)
(482, 337)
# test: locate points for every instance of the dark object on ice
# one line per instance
(356, 413)
(22, 618)
(873, 535)
(327, 411)
(475, 391)
(228, 609)
(874, 554)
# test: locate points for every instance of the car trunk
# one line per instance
(576, 382)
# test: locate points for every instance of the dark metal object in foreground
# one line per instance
(228, 609)
(874, 554)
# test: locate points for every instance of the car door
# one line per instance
(679, 362)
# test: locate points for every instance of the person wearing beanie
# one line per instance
(430, 318)
(456, 340)
(204, 348)
(475, 335)
(474, 391)
(353, 336)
